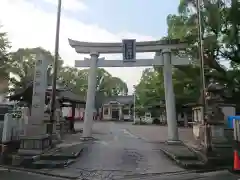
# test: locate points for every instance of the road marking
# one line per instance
(130, 134)
(103, 143)
(133, 136)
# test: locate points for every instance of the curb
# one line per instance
(179, 162)
(37, 172)
(198, 168)
(56, 157)
(58, 164)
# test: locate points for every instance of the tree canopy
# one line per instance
(221, 35)
(21, 65)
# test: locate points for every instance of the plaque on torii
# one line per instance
(129, 50)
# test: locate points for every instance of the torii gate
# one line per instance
(129, 47)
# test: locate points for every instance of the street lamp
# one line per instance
(55, 66)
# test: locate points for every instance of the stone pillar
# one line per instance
(91, 92)
(36, 139)
(170, 97)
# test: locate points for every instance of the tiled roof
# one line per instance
(121, 99)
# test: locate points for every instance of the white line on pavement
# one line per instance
(130, 134)
(104, 143)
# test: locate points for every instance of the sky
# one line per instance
(32, 23)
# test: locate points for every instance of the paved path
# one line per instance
(120, 152)
(153, 133)
(18, 175)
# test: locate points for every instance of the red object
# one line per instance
(236, 162)
(71, 118)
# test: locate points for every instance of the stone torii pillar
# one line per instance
(169, 96)
(91, 92)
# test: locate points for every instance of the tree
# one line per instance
(186, 81)
(220, 24)
(107, 85)
(220, 30)
(23, 66)
(4, 48)
(4, 64)
(150, 90)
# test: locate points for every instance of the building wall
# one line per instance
(229, 111)
(124, 114)
(107, 113)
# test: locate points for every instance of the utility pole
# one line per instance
(201, 56)
(207, 138)
(55, 66)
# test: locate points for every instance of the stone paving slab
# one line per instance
(180, 151)
(64, 152)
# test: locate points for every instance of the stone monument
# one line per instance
(36, 140)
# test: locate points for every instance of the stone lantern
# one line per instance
(214, 119)
(214, 98)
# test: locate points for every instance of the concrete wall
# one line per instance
(228, 110)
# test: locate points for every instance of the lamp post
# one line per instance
(55, 66)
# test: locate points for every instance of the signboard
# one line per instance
(129, 50)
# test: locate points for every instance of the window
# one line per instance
(105, 111)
